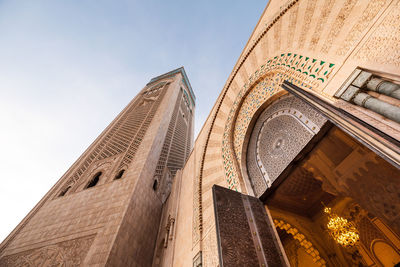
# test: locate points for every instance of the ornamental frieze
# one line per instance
(306, 72)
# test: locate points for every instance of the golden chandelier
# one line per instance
(341, 230)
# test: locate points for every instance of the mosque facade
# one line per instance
(297, 163)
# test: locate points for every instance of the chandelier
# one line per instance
(341, 230)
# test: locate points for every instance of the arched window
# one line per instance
(119, 175)
(94, 180)
(63, 192)
(155, 184)
(385, 253)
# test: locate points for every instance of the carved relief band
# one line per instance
(246, 235)
(280, 133)
(67, 253)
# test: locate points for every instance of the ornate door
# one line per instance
(246, 234)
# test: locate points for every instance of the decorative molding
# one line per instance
(185, 80)
(66, 253)
(302, 240)
(383, 46)
(251, 240)
(307, 21)
(95, 153)
(277, 34)
(356, 31)
(351, 121)
(282, 131)
(240, 62)
(338, 24)
(210, 248)
(326, 10)
(265, 82)
(292, 25)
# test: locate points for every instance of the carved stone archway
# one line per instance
(262, 85)
(280, 133)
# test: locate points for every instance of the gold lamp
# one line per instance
(341, 230)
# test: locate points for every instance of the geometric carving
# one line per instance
(375, 187)
(385, 38)
(124, 137)
(197, 227)
(165, 151)
(260, 93)
(176, 146)
(354, 34)
(277, 34)
(301, 240)
(139, 120)
(292, 24)
(304, 71)
(280, 133)
(177, 142)
(67, 253)
(104, 166)
(246, 236)
(368, 232)
(307, 21)
(320, 24)
(300, 184)
(210, 249)
(338, 24)
(300, 193)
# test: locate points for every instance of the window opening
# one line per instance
(64, 191)
(94, 181)
(119, 175)
(155, 184)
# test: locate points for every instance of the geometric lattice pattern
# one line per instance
(177, 143)
(125, 136)
(67, 253)
(280, 133)
(302, 240)
(302, 71)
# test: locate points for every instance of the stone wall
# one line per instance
(314, 44)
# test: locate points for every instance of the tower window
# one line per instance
(155, 184)
(94, 180)
(63, 192)
(119, 175)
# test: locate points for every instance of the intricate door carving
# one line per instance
(246, 234)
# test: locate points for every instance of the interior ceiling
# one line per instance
(300, 193)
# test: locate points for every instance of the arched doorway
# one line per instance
(298, 164)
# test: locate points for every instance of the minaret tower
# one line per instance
(106, 209)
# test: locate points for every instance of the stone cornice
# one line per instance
(185, 81)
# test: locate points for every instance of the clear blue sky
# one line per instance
(67, 68)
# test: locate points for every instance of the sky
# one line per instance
(67, 68)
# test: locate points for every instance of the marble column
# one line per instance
(359, 97)
(384, 87)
